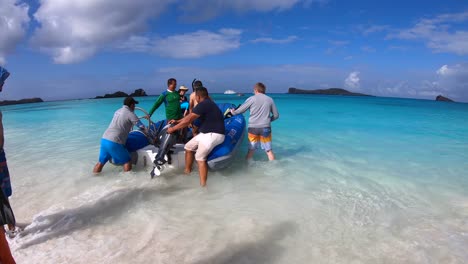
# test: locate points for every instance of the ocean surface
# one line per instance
(356, 180)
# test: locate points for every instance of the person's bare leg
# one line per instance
(203, 169)
(10, 226)
(189, 157)
(98, 167)
(5, 252)
(271, 155)
(250, 154)
(128, 166)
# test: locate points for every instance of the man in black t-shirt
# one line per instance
(211, 133)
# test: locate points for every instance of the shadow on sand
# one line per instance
(263, 251)
(112, 205)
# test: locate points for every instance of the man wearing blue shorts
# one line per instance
(114, 139)
(263, 111)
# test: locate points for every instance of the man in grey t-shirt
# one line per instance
(114, 138)
(263, 111)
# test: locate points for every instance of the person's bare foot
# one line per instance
(187, 171)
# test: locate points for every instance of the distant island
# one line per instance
(22, 101)
(136, 93)
(443, 99)
(331, 91)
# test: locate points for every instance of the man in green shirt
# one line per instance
(171, 100)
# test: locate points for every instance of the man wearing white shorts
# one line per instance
(211, 133)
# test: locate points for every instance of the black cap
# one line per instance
(129, 101)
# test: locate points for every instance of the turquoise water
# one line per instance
(356, 180)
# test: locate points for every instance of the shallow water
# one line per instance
(356, 180)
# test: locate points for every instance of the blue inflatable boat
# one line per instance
(146, 147)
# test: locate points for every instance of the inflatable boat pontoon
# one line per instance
(159, 150)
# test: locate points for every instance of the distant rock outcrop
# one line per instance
(443, 99)
(331, 91)
(22, 101)
(113, 95)
(136, 93)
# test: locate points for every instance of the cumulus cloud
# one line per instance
(202, 10)
(448, 80)
(186, 46)
(198, 44)
(439, 33)
(289, 39)
(459, 71)
(135, 44)
(74, 30)
(453, 80)
(353, 81)
(14, 21)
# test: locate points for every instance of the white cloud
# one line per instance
(453, 81)
(439, 33)
(201, 10)
(186, 46)
(74, 30)
(198, 44)
(289, 39)
(135, 44)
(14, 21)
(459, 71)
(444, 71)
(448, 80)
(353, 81)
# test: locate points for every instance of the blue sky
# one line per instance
(82, 48)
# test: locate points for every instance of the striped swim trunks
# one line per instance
(260, 137)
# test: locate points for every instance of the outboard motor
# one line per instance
(166, 141)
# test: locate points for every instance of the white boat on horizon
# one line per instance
(230, 92)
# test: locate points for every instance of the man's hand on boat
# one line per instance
(182, 123)
(171, 129)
